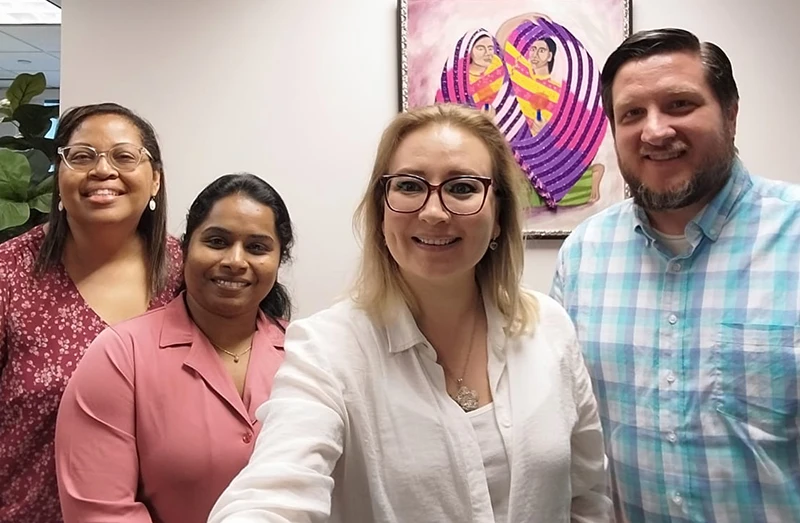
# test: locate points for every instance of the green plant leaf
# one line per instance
(13, 214)
(40, 196)
(40, 165)
(24, 87)
(43, 187)
(34, 120)
(42, 202)
(15, 175)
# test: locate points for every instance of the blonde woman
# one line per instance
(441, 391)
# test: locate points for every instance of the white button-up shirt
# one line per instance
(359, 428)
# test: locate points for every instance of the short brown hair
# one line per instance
(719, 71)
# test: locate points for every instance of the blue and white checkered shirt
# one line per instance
(696, 357)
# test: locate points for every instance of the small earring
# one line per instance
(60, 206)
(152, 204)
(493, 245)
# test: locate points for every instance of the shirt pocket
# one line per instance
(757, 371)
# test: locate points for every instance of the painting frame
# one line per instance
(529, 232)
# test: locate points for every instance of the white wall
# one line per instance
(298, 91)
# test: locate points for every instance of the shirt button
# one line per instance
(506, 422)
(672, 437)
(676, 497)
(670, 378)
(675, 267)
(672, 319)
(247, 438)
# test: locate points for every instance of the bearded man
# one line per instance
(686, 298)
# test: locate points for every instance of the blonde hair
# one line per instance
(379, 285)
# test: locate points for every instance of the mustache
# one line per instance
(671, 148)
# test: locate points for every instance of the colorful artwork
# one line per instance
(538, 75)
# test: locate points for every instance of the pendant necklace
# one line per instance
(231, 354)
(466, 397)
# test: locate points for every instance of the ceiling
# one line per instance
(30, 49)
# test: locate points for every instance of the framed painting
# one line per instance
(534, 66)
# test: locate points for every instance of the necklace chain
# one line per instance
(466, 397)
(233, 354)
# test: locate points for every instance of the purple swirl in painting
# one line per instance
(554, 126)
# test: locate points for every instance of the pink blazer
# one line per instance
(151, 427)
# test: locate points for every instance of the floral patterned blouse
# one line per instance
(45, 327)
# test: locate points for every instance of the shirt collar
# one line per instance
(401, 329)
(711, 220)
(178, 327)
(403, 333)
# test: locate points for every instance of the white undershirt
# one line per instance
(495, 459)
(676, 243)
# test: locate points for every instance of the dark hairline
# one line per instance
(718, 71)
(277, 303)
(157, 256)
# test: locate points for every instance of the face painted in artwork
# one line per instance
(482, 53)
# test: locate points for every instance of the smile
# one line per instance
(438, 242)
(230, 284)
(103, 192)
(664, 156)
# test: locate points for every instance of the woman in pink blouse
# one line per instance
(103, 256)
(160, 414)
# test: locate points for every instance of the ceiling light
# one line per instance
(19, 12)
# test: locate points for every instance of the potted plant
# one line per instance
(26, 158)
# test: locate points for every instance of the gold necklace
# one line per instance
(466, 397)
(229, 353)
(233, 355)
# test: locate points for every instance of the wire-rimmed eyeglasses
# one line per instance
(460, 195)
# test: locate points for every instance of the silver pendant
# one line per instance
(467, 398)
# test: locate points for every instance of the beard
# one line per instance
(707, 179)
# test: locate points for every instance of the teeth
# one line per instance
(664, 156)
(230, 284)
(104, 192)
(441, 241)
